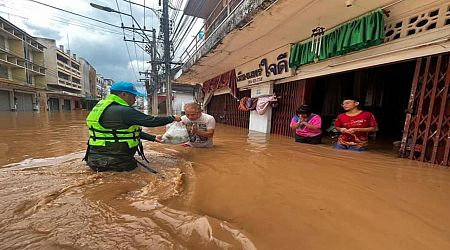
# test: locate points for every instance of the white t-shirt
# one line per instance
(203, 123)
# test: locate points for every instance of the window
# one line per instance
(62, 59)
(29, 78)
(2, 42)
(3, 72)
(75, 66)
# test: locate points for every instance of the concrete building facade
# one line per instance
(22, 70)
(88, 78)
(89, 87)
(64, 79)
(102, 85)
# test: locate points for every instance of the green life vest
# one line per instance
(98, 135)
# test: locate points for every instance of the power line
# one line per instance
(185, 34)
(178, 26)
(135, 49)
(64, 20)
(182, 27)
(128, 51)
(76, 14)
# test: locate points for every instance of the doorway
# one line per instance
(382, 90)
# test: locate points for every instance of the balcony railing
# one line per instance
(34, 45)
(35, 68)
(68, 84)
(218, 15)
(64, 68)
(12, 32)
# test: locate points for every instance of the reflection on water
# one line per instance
(249, 191)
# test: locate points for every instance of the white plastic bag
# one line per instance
(176, 133)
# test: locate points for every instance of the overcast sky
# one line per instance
(100, 44)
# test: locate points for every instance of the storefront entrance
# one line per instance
(410, 101)
(5, 102)
(23, 101)
(53, 104)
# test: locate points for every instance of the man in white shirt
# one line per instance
(200, 126)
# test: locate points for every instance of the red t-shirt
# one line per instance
(362, 120)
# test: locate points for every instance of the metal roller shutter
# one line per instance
(24, 101)
(5, 104)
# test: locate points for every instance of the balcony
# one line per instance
(214, 12)
(11, 59)
(63, 82)
(35, 46)
(67, 83)
(221, 19)
(11, 32)
(64, 68)
(76, 73)
(255, 27)
(35, 68)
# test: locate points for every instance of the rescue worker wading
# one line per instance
(115, 130)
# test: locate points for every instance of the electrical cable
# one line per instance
(135, 49)
(128, 51)
(76, 14)
(185, 34)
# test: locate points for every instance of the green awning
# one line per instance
(357, 34)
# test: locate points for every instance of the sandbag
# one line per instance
(176, 133)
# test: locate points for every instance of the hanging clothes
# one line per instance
(263, 103)
(243, 104)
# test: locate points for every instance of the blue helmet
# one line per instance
(126, 87)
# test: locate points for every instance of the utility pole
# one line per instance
(167, 61)
(154, 76)
(153, 79)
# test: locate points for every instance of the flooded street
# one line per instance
(248, 192)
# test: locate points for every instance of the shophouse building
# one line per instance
(64, 77)
(22, 70)
(392, 55)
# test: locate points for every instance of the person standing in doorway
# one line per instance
(307, 126)
(115, 130)
(200, 126)
(354, 126)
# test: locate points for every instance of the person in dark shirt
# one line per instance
(115, 130)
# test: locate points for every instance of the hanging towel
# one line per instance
(263, 103)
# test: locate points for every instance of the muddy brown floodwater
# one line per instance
(248, 192)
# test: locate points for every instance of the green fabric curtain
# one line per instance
(360, 33)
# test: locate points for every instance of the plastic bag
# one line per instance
(176, 133)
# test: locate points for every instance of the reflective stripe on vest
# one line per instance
(98, 135)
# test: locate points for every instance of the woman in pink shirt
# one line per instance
(307, 126)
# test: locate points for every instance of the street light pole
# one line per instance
(165, 25)
(108, 9)
(149, 42)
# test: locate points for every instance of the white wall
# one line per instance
(179, 100)
(261, 123)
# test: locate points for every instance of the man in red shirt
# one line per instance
(354, 126)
